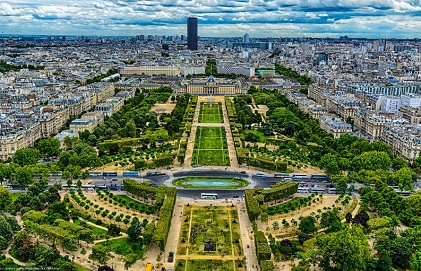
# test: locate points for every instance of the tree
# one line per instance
(275, 225)
(48, 147)
(331, 221)
(371, 160)
(100, 254)
(400, 251)
(26, 157)
(347, 249)
(404, 178)
(5, 198)
(23, 175)
(285, 223)
(129, 260)
(384, 263)
(45, 255)
(307, 224)
(416, 260)
(399, 163)
(348, 217)
(114, 230)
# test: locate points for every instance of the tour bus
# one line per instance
(402, 193)
(332, 190)
(208, 196)
(318, 189)
(319, 176)
(303, 190)
(281, 175)
(261, 175)
(299, 176)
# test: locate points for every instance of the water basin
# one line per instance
(211, 183)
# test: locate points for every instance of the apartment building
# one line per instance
(334, 125)
(404, 139)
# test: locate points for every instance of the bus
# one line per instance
(149, 267)
(260, 175)
(319, 176)
(281, 175)
(332, 190)
(403, 193)
(208, 196)
(297, 176)
(303, 190)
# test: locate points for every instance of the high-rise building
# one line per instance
(192, 40)
(246, 38)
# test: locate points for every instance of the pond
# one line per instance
(210, 182)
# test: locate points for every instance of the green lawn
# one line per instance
(209, 265)
(124, 246)
(81, 268)
(210, 225)
(15, 196)
(98, 233)
(210, 113)
(211, 147)
(211, 157)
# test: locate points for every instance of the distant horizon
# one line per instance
(3, 35)
(374, 19)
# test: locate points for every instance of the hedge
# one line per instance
(263, 250)
(262, 163)
(267, 266)
(252, 204)
(280, 191)
(165, 216)
(142, 190)
(165, 197)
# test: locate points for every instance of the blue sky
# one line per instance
(219, 18)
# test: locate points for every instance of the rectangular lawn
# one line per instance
(211, 147)
(210, 113)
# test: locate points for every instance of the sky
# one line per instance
(217, 18)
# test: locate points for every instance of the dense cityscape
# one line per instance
(183, 152)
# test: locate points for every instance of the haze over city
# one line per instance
(217, 18)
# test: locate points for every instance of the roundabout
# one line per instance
(210, 183)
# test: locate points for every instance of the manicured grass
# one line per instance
(81, 268)
(98, 233)
(210, 113)
(211, 143)
(210, 224)
(211, 147)
(203, 132)
(211, 157)
(124, 246)
(209, 265)
(15, 196)
(233, 182)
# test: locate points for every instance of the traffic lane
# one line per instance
(269, 181)
(208, 173)
(222, 194)
(266, 182)
(157, 180)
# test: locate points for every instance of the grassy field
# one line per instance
(209, 265)
(124, 246)
(214, 224)
(98, 233)
(211, 147)
(210, 113)
(233, 183)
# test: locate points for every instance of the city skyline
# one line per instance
(272, 18)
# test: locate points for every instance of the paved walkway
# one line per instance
(192, 138)
(247, 237)
(230, 139)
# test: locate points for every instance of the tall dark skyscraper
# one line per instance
(192, 40)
